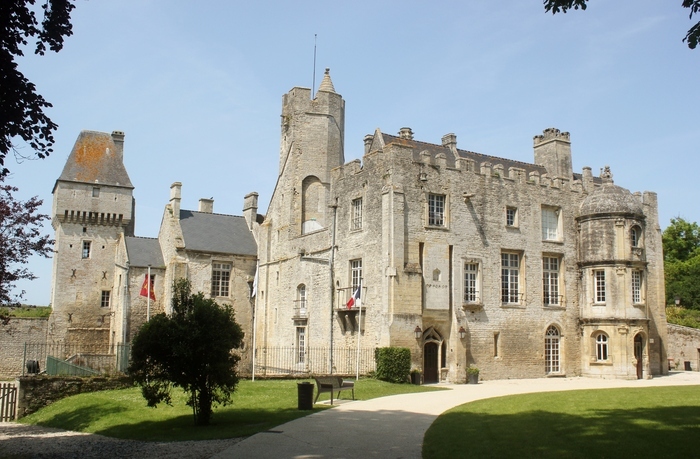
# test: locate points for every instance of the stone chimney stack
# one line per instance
(206, 205)
(250, 208)
(553, 151)
(368, 142)
(118, 139)
(406, 133)
(450, 141)
(175, 196)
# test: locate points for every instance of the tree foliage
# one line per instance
(692, 37)
(20, 237)
(191, 349)
(21, 108)
(681, 242)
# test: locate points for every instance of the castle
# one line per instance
(524, 270)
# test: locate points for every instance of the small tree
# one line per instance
(681, 242)
(20, 238)
(191, 349)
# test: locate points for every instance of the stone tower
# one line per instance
(93, 206)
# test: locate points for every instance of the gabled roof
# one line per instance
(96, 158)
(217, 233)
(144, 251)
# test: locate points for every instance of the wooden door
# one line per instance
(430, 363)
(639, 355)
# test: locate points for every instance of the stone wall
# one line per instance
(683, 346)
(13, 334)
(36, 392)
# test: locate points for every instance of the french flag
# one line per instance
(355, 298)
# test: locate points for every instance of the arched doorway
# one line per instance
(552, 356)
(430, 363)
(639, 355)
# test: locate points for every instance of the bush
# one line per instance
(393, 364)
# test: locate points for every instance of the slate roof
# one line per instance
(96, 159)
(144, 251)
(217, 233)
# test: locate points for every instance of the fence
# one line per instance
(290, 361)
(8, 402)
(75, 360)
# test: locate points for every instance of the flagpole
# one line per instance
(148, 304)
(359, 334)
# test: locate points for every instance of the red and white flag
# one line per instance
(355, 298)
(146, 289)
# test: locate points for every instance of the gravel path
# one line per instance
(26, 441)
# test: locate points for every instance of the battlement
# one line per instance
(551, 134)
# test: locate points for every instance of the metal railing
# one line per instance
(289, 361)
(76, 360)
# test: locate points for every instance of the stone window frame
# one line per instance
(635, 234)
(547, 278)
(431, 216)
(512, 296)
(512, 217)
(637, 284)
(601, 347)
(95, 191)
(552, 344)
(355, 274)
(105, 298)
(476, 280)
(356, 213)
(548, 215)
(221, 279)
(86, 249)
(301, 301)
(300, 343)
(599, 286)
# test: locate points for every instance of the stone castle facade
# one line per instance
(524, 270)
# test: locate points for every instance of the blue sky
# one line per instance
(197, 88)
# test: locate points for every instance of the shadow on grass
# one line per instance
(642, 432)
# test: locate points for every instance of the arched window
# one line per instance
(301, 298)
(601, 347)
(636, 236)
(552, 356)
(313, 205)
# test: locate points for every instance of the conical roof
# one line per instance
(327, 84)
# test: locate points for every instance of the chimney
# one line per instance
(250, 208)
(406, 133)
(118, 139)
(450, 141)
(175, 196)
(553, 151)
(206, 205)
(368, 142)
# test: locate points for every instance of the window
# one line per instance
(636, 286)
(355, 274)
(220, 277)
(550, 224)
(635, 236)
(104, 302)
(551, 350)
(550, 281)
(301, 345)
(601, 347)
(301, 299)
(86, 249)
(511, 216)
(510, 278)
(599, 276)
(436, 210)
(356, 223)
(95, 192)
(471, 282)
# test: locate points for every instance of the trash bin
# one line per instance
(305, 393)
(687, 366)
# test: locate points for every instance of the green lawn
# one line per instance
(645, 422)
(257, 406)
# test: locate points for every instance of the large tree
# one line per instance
(692, 37)
(20, 237)
(681, 242)
(192, 349)
(21, 108)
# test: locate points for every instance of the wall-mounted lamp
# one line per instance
(677, 300)
(462, 333)
(423, 177)
(418, 332)
(467, 197)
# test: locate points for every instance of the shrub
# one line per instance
(393, 364)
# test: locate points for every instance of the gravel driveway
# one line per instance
(26, 441)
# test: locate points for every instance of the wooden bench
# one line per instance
(333, 384)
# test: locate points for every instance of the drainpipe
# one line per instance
(330, 277)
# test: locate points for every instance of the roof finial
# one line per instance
(327, 84)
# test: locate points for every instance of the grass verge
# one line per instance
(257, 406)
(644, 422)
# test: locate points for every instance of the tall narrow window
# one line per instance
(301, 345)
(436, 210)
(471, 282)
(599, 275)
(510, 278)
(635, 235)
(104, 302)
(86, 249)
(355, 274)
(550, 281)
(636, 286)
(220, 278)
(511, 216)
(95, 192)
(601, 347)
(356, 214)
(301, 300)
(551, 350)
(550, 224)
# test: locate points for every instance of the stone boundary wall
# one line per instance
(683, 346)
(13, 334)
(35, 392)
